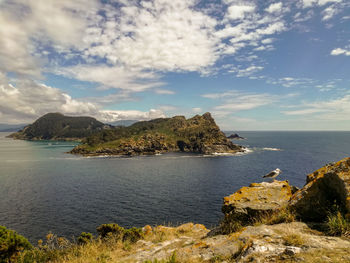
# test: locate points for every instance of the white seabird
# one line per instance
(273, 173)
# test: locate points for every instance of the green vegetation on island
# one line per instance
(199, 134)
(56, 126)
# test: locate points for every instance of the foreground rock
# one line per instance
(249, 203)
(55, 126)
(288, 242)
(199, 134)
(326, 189)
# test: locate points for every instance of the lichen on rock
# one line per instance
(249, 203)
(325, 189)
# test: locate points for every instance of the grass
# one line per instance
(171, 259)
(293, 239)
(283, 215)
(337, 225)
(322, 255)
(114, 244)
(230, 224)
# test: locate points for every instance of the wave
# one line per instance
(271, 149)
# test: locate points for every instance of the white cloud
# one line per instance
(234, 101)
(235, 11)
(289, 82)
(113, 77)
(274, 8)
(333, 109)
(164, 91)
(162, 35)
(267, 40)
(246, 102)
(340, 51)
(110, 116)
(309, 3)
(249, 31)
(28, 24)
(197, 110)
(28, 100)
(249, 71)
(303, 112)
(330, 12)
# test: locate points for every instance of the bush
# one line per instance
(11, 244)
(108, 230)
(337, 225)
(84, 238)
(132, 235)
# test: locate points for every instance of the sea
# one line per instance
(44, 189)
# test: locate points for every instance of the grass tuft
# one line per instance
(337, 225)
(283, 215)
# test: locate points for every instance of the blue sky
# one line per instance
(255, 65)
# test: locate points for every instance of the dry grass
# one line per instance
(295, 240)
(283, 215)
(325, 255)
(105, 250)
(337, 225)
(230, 224)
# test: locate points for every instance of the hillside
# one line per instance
(55, 126)
(199, 134)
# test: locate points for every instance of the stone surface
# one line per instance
(325, 188)
(250, 202)
(253, 244)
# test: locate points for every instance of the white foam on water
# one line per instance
(271, 149)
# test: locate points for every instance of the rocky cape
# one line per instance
(199, 134)
(56, 126)
(235, 136)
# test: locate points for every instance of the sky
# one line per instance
(254, 64)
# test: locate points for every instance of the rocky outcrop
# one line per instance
(248, 203)
(326, 189)
(287, 242)
(199, 134)
(56, 126)
(235, 136)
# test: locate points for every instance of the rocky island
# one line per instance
(235, 136)
(199, 134)
(56, 126)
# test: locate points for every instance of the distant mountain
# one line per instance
(199, 134)
(11, 127)
(125, 123)
(56, 126)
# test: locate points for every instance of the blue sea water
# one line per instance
(42, 188)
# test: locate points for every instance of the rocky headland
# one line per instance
(199, 134)
(56, 126)
(235, 136)
(264, 222)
